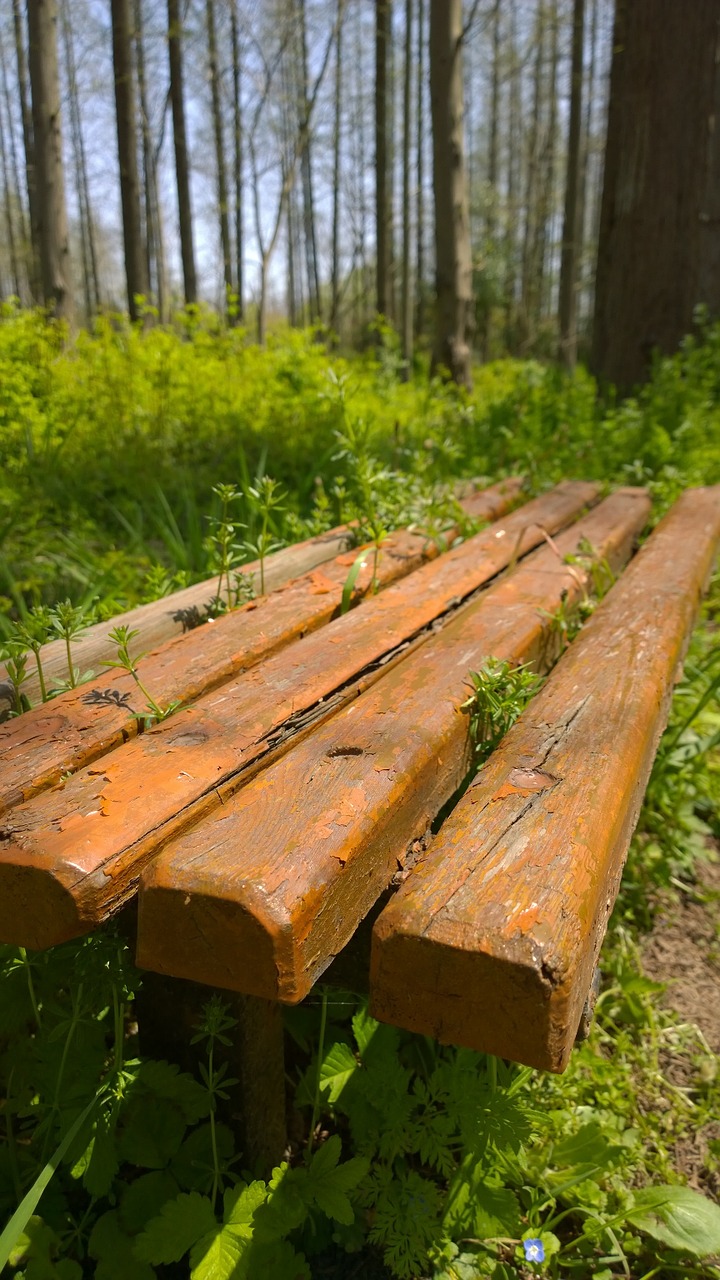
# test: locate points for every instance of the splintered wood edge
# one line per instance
(492, 941)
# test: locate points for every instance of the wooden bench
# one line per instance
(262, 822)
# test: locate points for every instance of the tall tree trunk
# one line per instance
(337, 141)
(512, 244)
(154, 239)
(406, 301)
(177, 97)
(21, 249)
(238, 161)
(572, 225)
(311, 257)
(547, 171)
(87, 230)
(383, 217)
(135, 261)
(659, 251)
(530, 283)
(420, 198)
(219, 151)
(49, 173)
(29, 147)
(491, 207)
(12, 248)
(453, 322)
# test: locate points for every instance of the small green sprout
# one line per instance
(15, 655)
(33, 633)
(222, 541)
(264, 497)
(500, 692)
(121, 636)
(68, 621)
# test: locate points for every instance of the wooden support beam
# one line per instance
(492, 941)
(72, 855)
(59, 737)
(261, 896)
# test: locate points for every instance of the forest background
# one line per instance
(423, 212)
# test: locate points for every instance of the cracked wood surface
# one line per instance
(492, 940)
(72, 855)
(60, 736)
(260, 896)
(163, 619)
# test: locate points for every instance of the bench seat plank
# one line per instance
(261, 896)
(72, 855)
(60, 736)
(492, 941)
(161, 620)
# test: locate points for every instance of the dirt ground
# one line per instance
(683, 950)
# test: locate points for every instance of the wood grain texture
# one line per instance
(62, 735)
(492, 941)
(261, 896)
(164, 619)
(72, 854)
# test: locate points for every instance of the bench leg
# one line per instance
(168, 1012)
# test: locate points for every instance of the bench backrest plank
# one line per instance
(72, 855)
(492, 941)
(261, 895)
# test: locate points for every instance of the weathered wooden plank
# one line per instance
(492, 941)
(262, 895)
(72, 855)
(83, 724)
(161, 620)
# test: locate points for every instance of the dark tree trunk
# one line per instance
(572, 225)
(453, 320)
(383, 216)
(49, 173)
(659, 250)
(29, 146)
(238, 161)
(177, 96)
(219, 151)
(406, 316)
(135, 261)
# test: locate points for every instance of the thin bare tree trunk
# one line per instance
(420, 197)
(177, 97)
(135, 263)
(337, 132)
(406, 301)
(153, 221)
(530, 283)
(50, 177)
(513, 188)
(219, 151)
(547, 168)
(29, 147)
(572, 226)
(238, 161)
(311, 257)
(87, 239)
(22, 248)
(12, 250)
(383, 27)
(453, 323)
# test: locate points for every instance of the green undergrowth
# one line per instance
(135, 461)
(113, 443)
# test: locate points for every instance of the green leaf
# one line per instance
(103, 1164)
(679, 1217)
(152, 1132)
(328, 1183)
(217, 1256)
(352, 578)
(589, 1147)
(277, 1260)
(338, 1066)
(193, 1164)
(167, 1081)
(476, 1208)
(178, 1226)
(144, 1198)
(113, 1251)
(286, 1206)
(240, 1204)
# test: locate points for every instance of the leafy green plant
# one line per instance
(68, 621)
(500, 691)
(122, 636)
